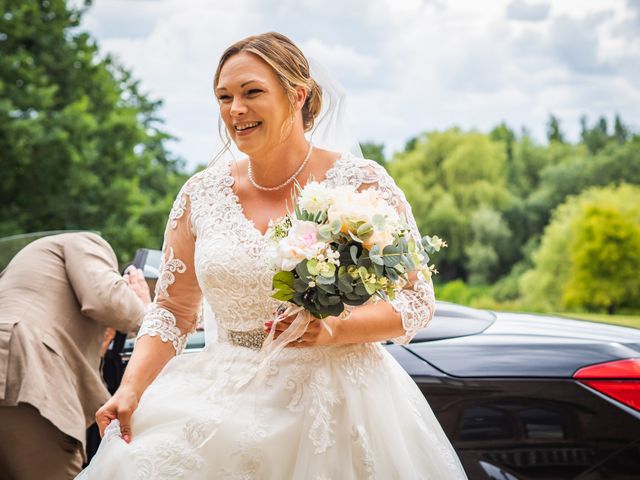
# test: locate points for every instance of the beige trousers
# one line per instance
(32, 448)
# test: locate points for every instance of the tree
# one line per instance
(599, 226)
(82, 147)
(596, 137)
(490, 235)
(374, 151)
(605, 259)
(554, 134)
(579, 170)
(447, 176)
(620, 130)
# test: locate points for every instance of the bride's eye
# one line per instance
(253, 92)
(224, 98)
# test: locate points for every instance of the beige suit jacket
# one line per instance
(57, 296)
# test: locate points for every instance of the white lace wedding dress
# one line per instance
(344, 412)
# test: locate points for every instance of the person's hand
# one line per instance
(135, 279)
(121, 407)
(315, 334)
(109, 333)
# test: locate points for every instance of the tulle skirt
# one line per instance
(348, 412)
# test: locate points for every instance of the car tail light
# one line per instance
(619, 379)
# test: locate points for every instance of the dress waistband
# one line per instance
(252, 339)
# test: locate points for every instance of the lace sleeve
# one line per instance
(175, 310)
(416, 303)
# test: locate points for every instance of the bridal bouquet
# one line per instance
(340, 247)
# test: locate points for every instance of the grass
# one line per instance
(624, 320)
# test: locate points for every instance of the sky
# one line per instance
(408, 66)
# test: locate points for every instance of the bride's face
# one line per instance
(253, 104)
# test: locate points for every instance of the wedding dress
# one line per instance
(318, 413)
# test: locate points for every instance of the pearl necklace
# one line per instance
(286, 182)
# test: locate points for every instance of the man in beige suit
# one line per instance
(58, 296)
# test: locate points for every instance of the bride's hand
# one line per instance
(316, 333)
(121, 406)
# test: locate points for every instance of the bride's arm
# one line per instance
(169, 319)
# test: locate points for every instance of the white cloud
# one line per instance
(529, 12)
(407, 66)
(340, 58)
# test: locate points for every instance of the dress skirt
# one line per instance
(319, 413)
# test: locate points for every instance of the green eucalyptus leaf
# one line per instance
(404, 246)
(351, 296)
(377, 259)
(328, 288)
(365, 230)
(345, 287)
(354, 253)
(325, 233)
(391, 261)
(370, 288)
(357, 300)
(354, 237)
(325, 280)
(392, 274)
(334, 299)
(283, 279)
(363, 273)
(378, 269)
(300, 285)
(323, 300)
(361, 289)
(312, 266)
(282, 296)
(302, 270)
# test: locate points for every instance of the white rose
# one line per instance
(351, 206)
(315, 197)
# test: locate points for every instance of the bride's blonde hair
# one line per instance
(290, 66)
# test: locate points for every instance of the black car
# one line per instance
(522, 396)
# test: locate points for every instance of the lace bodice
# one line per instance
(212, 248)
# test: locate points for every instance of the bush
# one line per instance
(459, 292)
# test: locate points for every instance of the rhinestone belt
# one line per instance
(252, 339)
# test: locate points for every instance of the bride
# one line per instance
(327, 407)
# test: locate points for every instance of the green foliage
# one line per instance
(490, 235)
(457, 291)
(605, 256)
(597, 136)
(81, 145)
(554, 133)
(578, 171)
(374, 151)
(447, 176)
(588, 253)
(491, 197)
